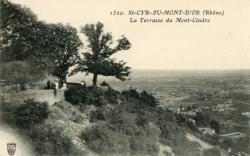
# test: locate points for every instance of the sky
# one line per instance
(224, 43)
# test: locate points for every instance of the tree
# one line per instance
(97, 60)
(66, 44)
(21, 33)
(215, 125)
(46, 47)
(24, 40)
(202, 119)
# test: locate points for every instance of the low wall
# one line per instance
(72, 84)
(37, 95)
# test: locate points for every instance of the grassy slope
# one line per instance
(107, 122)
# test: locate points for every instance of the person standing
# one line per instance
(48, 84)
(56, 87)
(83, 83)
(64, 87)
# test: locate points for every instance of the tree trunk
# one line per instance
(95, 79)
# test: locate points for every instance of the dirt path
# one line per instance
(205, 145)
(165, 148)
(202, 143)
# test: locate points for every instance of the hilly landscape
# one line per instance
(132, 121)
(102, 122)
(63, 93)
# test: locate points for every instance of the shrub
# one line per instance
(144, 96)
(97, 115)
(202, 119)
(50, 140)
(211, 152)
(122, 135)
(88, 95)
(112, 95)
(30, 113)
(124, 122)
(104, 83)
(148, 99)
(131, 93)
(75, 95)
(77, 117)
(144, 144)
(215, 125)
(105, 141)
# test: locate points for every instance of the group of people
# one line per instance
(55, 85)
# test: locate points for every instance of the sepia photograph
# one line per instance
(124, 78)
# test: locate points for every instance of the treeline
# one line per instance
(28, 42)
(53, 48)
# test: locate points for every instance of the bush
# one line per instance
(96, 96)
(50, 140)
(77, 117)
(211, 152)
(124, 122)
(202, 119)
(30, 113)
(122, 134)
(131, 93)
(148, 99)
(97, 115)
(144, 96)
(75, 95)
(215, 125)
(85, 95)
(104, 83)
(105, 141)
(112, 95)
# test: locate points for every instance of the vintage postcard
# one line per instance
(124, 78)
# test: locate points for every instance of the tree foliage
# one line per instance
(215, 125)
(66, 44)
(22, 35)
(48, 47)
(149, 99)
(97, 60)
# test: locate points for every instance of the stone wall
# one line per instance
(37, 95)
